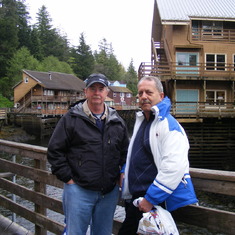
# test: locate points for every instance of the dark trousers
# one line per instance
(131, 222)
(133, 216)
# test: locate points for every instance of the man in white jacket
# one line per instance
(157, 166)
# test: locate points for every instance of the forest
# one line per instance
(42, 47)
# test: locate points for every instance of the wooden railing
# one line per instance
(3, 116)
(200, 70)
(224, 35)
(40, 178)
(60, 104)
(203, 109)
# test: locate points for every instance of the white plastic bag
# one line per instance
(157, 222)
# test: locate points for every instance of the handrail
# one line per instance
(225, 35)
(200, 70)
(203, 109)
(219, 182)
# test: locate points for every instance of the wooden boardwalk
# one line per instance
(210, 181)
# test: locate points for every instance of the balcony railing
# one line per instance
(200, 34)
(200, 70)
(54, 98)
(203, 110)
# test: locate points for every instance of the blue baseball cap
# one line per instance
(96, 77)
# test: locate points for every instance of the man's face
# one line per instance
(148, 95)
(96, 94)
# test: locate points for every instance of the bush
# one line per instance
(5, 103)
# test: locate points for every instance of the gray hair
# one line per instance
(156, 80)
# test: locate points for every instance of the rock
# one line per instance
(16, 134)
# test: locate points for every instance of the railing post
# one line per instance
(41, 188)
(13, 195)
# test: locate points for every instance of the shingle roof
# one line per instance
(119, 89)
(57, 81)
(183, 10)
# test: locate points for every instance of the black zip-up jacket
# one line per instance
(78, 150)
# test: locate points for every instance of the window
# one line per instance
(114, 94)
(128, 95)
(215, 62)
(213, 28)
(48, 92)
(195, 29)
(188, 62)
(215, 97)
(26, 80)
(122, 94)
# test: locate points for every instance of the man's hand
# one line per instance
(145, 205)
(120, 180)
(70, 182)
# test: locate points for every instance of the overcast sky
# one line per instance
(124, 23)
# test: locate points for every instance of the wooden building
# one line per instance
(193, 53)
(121, 96)
(48, 93)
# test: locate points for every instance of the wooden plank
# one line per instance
(26, 150)
(37, 219)
(31, 173)
(215, 220)
(214, 186)
(32, 196)
(6, 175)
(212, 174)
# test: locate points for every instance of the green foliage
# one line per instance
(52, 63)
(107, 63)
(6, 90)
(50, 40)
(5, 103)
(22, 59)
(8, 33)
(131, 78)
(82, 60)
(24, 30)
(41, 47)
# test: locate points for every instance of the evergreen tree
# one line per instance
(107, 63)
(82, 60)
(50, 41)
(131, 78)
(8, 33)
(35, 46)
(24, 29)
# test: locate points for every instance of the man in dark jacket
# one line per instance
(87, 151)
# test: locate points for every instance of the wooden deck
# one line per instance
(3, 116)
(216, 220)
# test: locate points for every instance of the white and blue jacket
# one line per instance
(169, 145)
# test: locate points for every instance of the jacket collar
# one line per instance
(160, 110)
(88, 112)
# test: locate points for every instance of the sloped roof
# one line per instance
(181, 11)
(57, 81)
(119, 89)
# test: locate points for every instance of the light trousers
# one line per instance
(84, 207)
